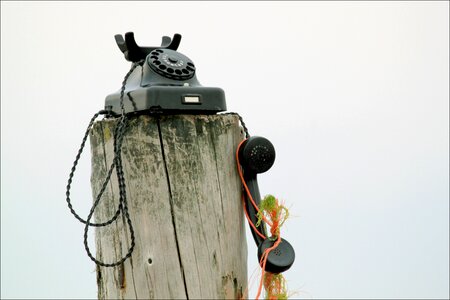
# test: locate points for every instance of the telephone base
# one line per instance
(169, 99)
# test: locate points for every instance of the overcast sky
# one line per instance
(354, 96)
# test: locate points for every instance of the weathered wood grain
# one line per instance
(184, 201)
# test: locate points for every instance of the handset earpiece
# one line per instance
(257, 155)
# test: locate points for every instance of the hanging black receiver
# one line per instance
(164, 81)
(256, 155)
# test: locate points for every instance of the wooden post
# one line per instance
(184, 201)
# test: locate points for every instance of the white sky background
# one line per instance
(354, 96)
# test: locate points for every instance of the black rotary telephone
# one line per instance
(164, 81)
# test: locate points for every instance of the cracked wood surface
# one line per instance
(184, 201)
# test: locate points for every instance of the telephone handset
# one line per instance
(164, 81)
(256, 155)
